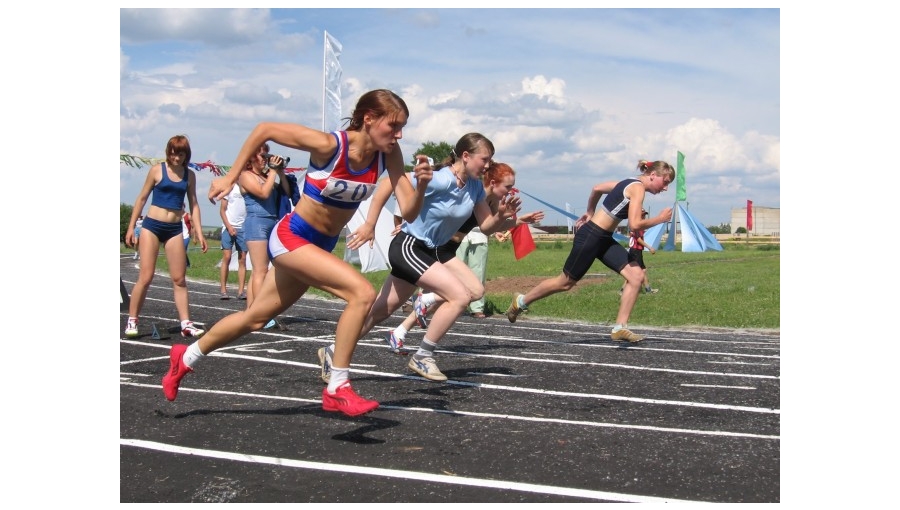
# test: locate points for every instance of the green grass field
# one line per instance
(738, 287)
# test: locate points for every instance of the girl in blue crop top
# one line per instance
(170, 183)
(594, 241)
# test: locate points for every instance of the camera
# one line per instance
(267, 157)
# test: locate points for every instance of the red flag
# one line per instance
(523, 243)
(749, 215)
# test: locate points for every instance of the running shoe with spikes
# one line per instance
(189, 330)
(394, 344)
(346, 400)
(421, 313)
(325, 362)
(625, 334)
(514, 309)
(177, 370)
(427, 368)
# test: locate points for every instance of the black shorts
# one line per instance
(637, 256)
(410, 257)
(593, 243)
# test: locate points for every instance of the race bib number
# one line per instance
(347, 191)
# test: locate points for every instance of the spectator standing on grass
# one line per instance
(232, 210)
(451, 196)
(170, 183)
(636, 246)
(137, 237)
(344, 167)
(594, 241)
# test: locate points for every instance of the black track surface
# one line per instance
(536, 411)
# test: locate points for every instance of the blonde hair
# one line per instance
(660, 168)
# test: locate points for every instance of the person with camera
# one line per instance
(344, 167)
(258, 180)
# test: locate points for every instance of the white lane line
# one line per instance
(718, 386)
(395, 473)
(740, 363)
(720, 433)
(541, 391)
(317, 339)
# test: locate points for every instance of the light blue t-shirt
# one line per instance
(445, 209)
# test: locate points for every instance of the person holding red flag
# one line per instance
(594, 241)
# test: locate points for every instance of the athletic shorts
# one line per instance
(593, 243)
(258, 228)
(162, 229)
(637, 256)
(447, 251)
(230, 242)
(410, 257)
(292, 232)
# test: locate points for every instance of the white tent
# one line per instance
(376, 257)
(694, 236)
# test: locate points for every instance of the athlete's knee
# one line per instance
(565, 283)
(476, 292)
(363, 295)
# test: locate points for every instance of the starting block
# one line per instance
(124, 298)
(160, 333)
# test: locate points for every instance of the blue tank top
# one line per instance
(260, 208)
(168, 193)
(616, 203)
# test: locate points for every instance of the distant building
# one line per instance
(766, 220)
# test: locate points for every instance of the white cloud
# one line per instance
(569, 96)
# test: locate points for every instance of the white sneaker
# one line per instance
(427, 368)
(189, 330)
(325, 362)
(131, 329)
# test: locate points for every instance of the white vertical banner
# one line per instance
(569, 224)
(331, 102)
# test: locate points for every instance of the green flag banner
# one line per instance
(681, 190)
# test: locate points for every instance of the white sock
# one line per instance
(400, 332)
(338, 377)
(427, 299)
(192, 355)
(617, 327)
(426, 350)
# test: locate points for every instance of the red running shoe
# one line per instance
(177, 370)
(347, 401)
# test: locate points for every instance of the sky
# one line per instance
(569, 97)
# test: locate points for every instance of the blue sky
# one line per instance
(570, 97)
